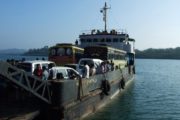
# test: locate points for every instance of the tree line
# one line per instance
(168, 53)
(37, 52)
(151, 53)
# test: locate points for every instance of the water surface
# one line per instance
(153, 95)
(4, 57)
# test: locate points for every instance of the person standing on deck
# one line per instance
(112, 65)
(52, 73)
(38, 71)
(102, 68)
(92, 70)
(86, 70)
(45, 73)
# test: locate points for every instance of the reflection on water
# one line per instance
(153, 95)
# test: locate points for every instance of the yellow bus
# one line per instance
(106, 53)
(65, 53)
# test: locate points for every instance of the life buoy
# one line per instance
(122, 83)
(105, 86)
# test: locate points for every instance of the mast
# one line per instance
(104, 11)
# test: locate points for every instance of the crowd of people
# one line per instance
(90, 70)
(51, 73)
(87, 71)
(43, 73)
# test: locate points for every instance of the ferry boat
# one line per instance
(75, 99)
(71, 99)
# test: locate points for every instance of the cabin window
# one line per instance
(103, 40)
(115, 56)
(83, 40)
(108, 40)
(89, 40)
(121, 39)
(61, 51)
(115, 40)
(95, 40)
(110, 56)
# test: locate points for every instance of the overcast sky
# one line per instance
(28, 24)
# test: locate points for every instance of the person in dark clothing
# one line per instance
(38, 71)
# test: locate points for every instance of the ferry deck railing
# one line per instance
(32, 84)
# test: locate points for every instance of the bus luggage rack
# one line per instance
(32, 84)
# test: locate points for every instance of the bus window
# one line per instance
(53, 52)
(69, 51)
(61, 51)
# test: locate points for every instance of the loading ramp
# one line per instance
(36, 86)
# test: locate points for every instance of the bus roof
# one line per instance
(66, 45)
(108, 47)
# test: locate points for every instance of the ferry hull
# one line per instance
(75, 100)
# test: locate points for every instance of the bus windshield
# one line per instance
(63, 54)
(61, 51)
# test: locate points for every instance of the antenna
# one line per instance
(104, 11)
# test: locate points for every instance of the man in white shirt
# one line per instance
(86, 70)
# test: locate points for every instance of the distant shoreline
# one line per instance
(34, 55)
(168, 53)
(151, 53)
(19, 57)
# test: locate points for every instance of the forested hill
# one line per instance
(169, 53)
(37, 52)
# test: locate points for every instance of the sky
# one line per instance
(27, 24)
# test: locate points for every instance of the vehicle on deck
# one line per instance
(59, 72)
(95, 62)
(29, 66)
(107, 53)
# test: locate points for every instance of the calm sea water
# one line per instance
(153, 95)
(4, 57)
